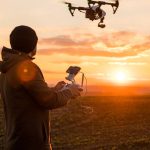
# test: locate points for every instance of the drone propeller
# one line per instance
(89, 1)
(67, 3)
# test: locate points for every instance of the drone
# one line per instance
(94, 10)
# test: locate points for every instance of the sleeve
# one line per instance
(40, 92)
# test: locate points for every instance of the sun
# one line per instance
(120, 77)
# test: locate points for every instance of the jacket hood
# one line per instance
(11, 57)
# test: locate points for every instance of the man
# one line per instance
(26, 96)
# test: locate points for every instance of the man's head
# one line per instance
(23, 39)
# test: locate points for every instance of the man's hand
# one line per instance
(59, 85)
(74, 90)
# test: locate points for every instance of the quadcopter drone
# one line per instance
(94, 11)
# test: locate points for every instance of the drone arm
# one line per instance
(97, 2)
(105, 3)
(82, 8)
(82, 11)
(114, 9)
(100, 3)
(115, 6)
(72, 11)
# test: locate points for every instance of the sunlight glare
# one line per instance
(120, 77)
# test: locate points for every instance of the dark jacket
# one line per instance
(27, 101)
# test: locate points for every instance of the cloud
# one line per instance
(67, 41)
(133, 51)
(115, 44)
(117, 39)
(142, 47)
(127, 63)
(62, 40)
(77, 61)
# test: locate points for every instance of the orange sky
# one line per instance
(123, 47)
(100, 56)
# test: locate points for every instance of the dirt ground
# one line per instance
(99, 123)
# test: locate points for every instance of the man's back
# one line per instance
(27, 123)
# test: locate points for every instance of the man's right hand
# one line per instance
(76, 92)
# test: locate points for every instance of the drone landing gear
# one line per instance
(101, 24)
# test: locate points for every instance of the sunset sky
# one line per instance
(118, 54)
